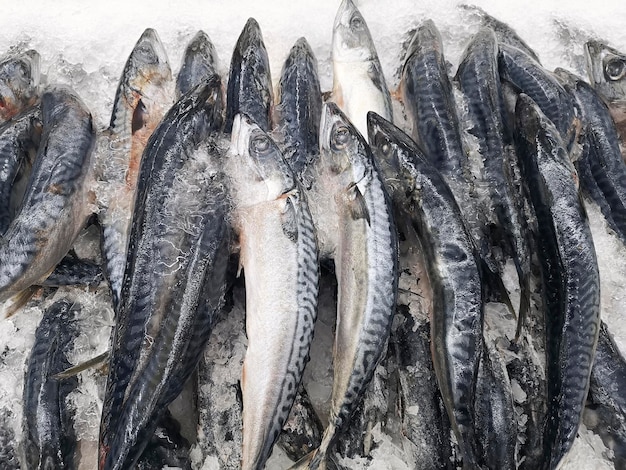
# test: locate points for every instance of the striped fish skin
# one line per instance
(571, 285)
(158, 246)
(453, 272)
(48, 429)
(142, 98)
(278, 253)
(19, 83)
(17, 137)
(530, 78)
(479, 81)
(249, 87)
(428, 98)
(299, 108)
(55, 205)
(199, 61)
(605, 413)
(366, 268)
(358, 81)
(601, 166)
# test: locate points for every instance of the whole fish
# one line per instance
(18, 137)
(299, 109)
(278, 254)
(365, 254)
(19, 83)
(600, 166)
(142, 98)
(358, 80)
(49, 440)
(571, 284)
(56, 204)
(606, 68)
(199, 61)
(250, 82)
(453, 267)
(174, 277)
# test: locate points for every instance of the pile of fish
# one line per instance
(204, 182)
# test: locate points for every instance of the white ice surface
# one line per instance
(85, 44)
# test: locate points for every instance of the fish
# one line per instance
(479, 81)
(358, 80)
(249, 88)
(19, 83)
(453, 266)
(571, 284)
(56, 204)
(49, 440)
(167, 447)
(199, 61)
(278, 254)
(143, 96)
(299, 109)
(366, 267)
(600, 166)
(175, 241)
(18, 137)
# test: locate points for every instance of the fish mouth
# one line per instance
(242, 127)
(329, 111)
(149, 51)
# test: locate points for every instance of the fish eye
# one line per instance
(260, 145)
(340, 137)
(614, 69)
(356, 22)
(385, 148)
(147, 54)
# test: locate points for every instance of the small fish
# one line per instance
(56, 204)
(250, 82)
(199, 61)
(142, 98)
(571, 284)
(49, 440)
(299, 109)
(454, 272)
(19, 83)
(358, 80)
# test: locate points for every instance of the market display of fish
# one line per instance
(225, 205)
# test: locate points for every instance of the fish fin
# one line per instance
(357, 206)
(19, 300)
(289, 220)
(327, 96)
(98, 361)
(139, 117)
(303, 463)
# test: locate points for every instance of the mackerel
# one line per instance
(299, 109)
(278, 254)
(199, 61)
(453, 267)
(571, 284)
(48, 428)
(56, 204)
(358, 80)
(142, 98)
(364, 248)
(19, 83)
(174, 276)
(250, 82)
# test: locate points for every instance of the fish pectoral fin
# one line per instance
(98, 361)
(18, 301)
(357, 206)
(139, 117)
(304, 462)
(289, 220)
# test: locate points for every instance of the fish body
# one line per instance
(453, 267)
(142, 98)
(358, 80)
(249, 87)
(278, 253)
(55, 206)
(174, 277)
(199, 61)
(48, 429)
(571, 284)
(19, 83)
(299, 108)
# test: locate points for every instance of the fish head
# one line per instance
(147, 63)
(200, 60)
(344, 152)
(263, 173)
(19, 83)
(301, 57)
(426, 39)
(352, 41)
(607, 70)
